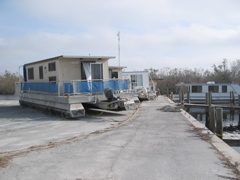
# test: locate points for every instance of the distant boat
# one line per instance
(221, 92)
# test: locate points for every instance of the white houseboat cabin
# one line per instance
(141, 83)
(220, 91)
(63, 83)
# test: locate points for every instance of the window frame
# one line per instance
(52, 66)
(31, 73)
(40, 72)
(213, 89)
(197, 89)
(224, 89)
(52, 79)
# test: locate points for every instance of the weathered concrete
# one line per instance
(21, 127)
(152, 145)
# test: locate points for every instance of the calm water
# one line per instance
(228, 119)
(237, 148)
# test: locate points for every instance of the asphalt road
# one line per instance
(152, 145)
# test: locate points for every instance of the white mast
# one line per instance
(118, 48)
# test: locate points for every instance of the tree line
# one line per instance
(223, 73)
(7, 82)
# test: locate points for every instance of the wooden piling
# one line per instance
(219, 122)
(171, 96)
(238, 120)
(207, 118)
(208, 98)
(181, 97)
(238, 100)
(199, 117)
(232, 113)
(212, 119)
(232, 98)
(188, 96)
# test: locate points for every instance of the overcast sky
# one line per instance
(153, 33)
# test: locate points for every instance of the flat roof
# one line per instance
(116, 67)
(74, 57)
(204, 84)
(126, 72)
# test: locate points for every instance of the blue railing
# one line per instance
(76, 87)
(95, 86)
(40, 87)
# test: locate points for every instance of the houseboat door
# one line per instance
(92, 70)
(96, 71)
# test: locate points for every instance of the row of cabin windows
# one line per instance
(51, 67)
(214, 89)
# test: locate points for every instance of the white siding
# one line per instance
(145, 78)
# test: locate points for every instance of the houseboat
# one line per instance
(141, 84)
(222, 93)
(64, 84)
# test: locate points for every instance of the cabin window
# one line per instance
(213, 89)
(40, 72)
(30, 73)
(196, 89)
(52, 66)
(224, 89)
(52, 79)
(96, 70)
(114, 74)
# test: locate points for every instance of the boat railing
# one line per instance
(73, 87)
(43, 87)
(94, 86)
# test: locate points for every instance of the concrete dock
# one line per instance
(148, 143)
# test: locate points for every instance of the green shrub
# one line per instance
(7, 82)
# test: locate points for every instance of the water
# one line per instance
(236, 148)
(230, 122)
(228, 119)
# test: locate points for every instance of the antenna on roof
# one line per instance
(118, 48)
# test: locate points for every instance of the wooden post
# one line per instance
(232, 98)
(207, 118)
(210, 98)
(188, 96)
(212, 119)
(238, 120)
(219, 122)
(206, 98)
(232, 113)
(171, 96)
(182, 97)
(198, 117)
(238, 100)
